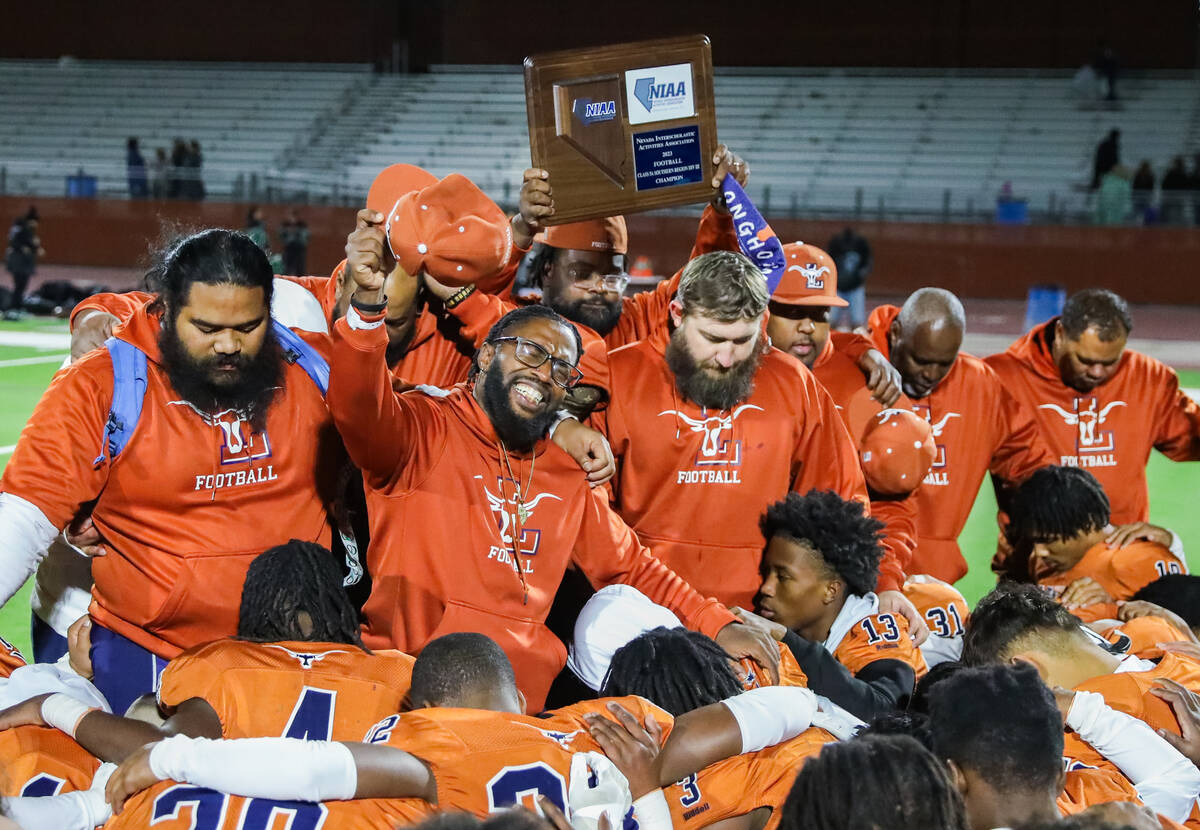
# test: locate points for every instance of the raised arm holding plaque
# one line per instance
(625, 128)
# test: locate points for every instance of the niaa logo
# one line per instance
(589, 111)
(647, 92)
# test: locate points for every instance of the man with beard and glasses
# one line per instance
(977, 423)
(713, 425)
(191, 466)
(475, 514)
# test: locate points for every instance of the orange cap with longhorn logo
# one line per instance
(809, 279)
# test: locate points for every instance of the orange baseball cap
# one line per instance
(608, 235)
(896, 451)
(395, 181)
(809, 279)
(451, 230)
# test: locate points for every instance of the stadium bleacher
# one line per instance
(63, 116)
(918, 142)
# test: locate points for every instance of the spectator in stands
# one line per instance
(176, 172)
(1175, 184)
(20, 258)
(1108, 156)
(1106, 67)
(1143, 192)
(195, 180)
(135, 169)
(852, 255)
(256, 229)
(159, 173)
(1114, 199)
(294, 234)
(1194, 186)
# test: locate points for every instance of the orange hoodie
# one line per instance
(693, 484)
(450, 549)
(1111, 430)
(837, 370)
(188, 503)
(978, 426)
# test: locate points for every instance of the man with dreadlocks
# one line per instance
(681, 671)
(297, 669)
(1061, 514)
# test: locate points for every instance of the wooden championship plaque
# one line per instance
(623, 128)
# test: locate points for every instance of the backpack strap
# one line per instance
(129, 392)
(296, 350)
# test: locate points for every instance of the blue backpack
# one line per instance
(129, 383)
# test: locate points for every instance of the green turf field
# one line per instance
(1173, 487)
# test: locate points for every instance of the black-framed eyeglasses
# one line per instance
(533, 355)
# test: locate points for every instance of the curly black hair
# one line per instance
(1008, 613)
(1096, 308)
(1002, 722)
(1057, 503)
(845, 537)
(676, 669)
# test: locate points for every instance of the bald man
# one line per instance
(977, 425)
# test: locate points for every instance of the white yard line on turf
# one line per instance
(35, 339)
(7, 450)
(30, 361)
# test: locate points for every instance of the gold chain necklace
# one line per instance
(521, 514)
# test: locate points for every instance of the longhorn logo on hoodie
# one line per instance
(1087, 416)
(510, 518)
(717, 448)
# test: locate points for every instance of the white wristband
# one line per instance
(652, 812)
(64, 712)
(772, 714)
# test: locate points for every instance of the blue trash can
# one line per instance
(1043, 302)
(1012, 212)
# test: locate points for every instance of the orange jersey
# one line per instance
(171, 806)
(11, 658)
(1087, 785)
(693, 483)
(38, 761)
(175, 523)
(743, 783)
(878, 637)
(1110, 430)
(450, 549)
(941, 605)
(485, 761)
(753, 676)
(1120, 571)
(1129, 692)
(978, 426)
(315, 691)
(1142, 635)
(837, 370)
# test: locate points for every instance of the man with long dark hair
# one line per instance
(198, 438)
